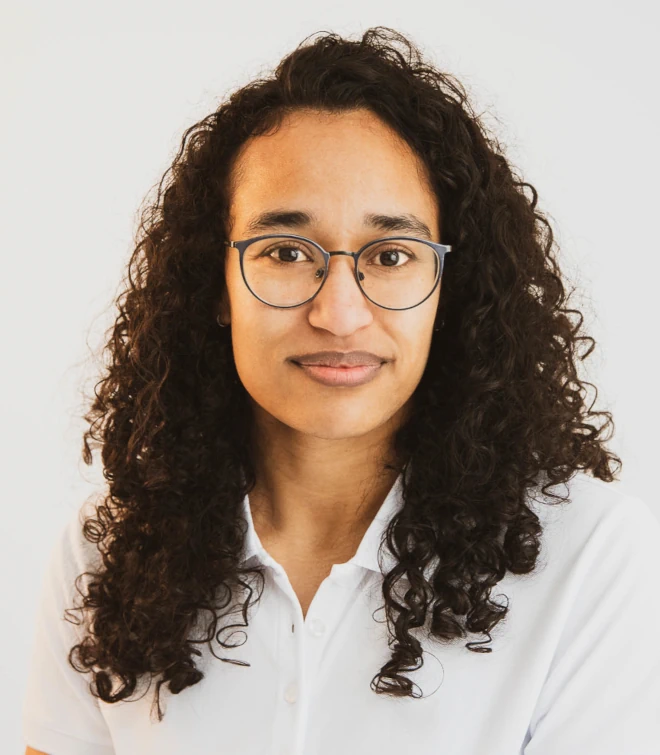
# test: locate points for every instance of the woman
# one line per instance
(343, 373)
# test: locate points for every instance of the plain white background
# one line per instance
(95, 100)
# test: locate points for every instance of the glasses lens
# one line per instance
(399, 273)
(285, 271)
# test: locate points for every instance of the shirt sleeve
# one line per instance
(602, 692)
(60, 715)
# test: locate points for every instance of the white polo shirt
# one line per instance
(574, 668)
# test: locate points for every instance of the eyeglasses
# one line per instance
(298, 277)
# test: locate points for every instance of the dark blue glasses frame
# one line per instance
(439, 249)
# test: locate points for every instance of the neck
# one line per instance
(315, 496)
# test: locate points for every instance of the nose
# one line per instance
(340, 306)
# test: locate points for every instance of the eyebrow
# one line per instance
(270, 219)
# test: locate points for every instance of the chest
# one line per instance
(305, 586)
(306, 573)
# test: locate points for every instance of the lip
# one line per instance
(341, 376)
(338, 358)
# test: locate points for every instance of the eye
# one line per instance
(390, 256)
(393, 255)
(292, 250)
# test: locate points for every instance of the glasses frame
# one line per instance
(439, 249)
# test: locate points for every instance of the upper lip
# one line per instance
(339, 358)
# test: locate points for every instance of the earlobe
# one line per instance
(223, 315)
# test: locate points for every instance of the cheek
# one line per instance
(410, 367)
(259, 349)
(414, 353)
(251, 352)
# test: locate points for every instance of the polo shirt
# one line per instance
(574, 667)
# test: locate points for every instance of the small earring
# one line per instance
(221, 324)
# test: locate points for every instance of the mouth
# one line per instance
(341, 376)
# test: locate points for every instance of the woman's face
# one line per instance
(337, 168)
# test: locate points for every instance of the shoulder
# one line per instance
(72, 554)
(589, 503)
(598, 517)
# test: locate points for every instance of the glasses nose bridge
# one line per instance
(343, 253)
(346, 254)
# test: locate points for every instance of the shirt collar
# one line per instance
(366, 555)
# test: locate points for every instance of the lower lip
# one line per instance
(341, 375)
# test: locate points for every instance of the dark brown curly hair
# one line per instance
(499, 409)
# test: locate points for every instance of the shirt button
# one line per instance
(316, 627)
(291, 693)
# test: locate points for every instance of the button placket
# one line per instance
(289, 720)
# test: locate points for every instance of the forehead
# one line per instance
(345, 163)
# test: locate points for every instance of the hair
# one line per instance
(499, 407)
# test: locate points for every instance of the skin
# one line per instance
(319, 482)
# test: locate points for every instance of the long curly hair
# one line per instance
(499, 409)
